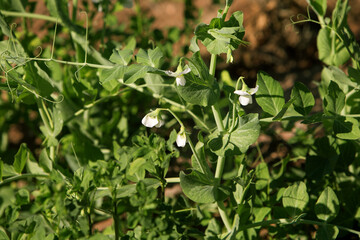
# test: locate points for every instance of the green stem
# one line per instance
(215, 108)
(212, 64)
(44, 114)
(219, 168)
(172, 180)
(88, 214)
(30, 15)
(52, 153)
(224, 216)
(195, 153)
(116, 222)
(92, 65)
(22, 176)
(217, 115)
(221, 160)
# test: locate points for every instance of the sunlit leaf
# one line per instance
(327, 205)
(270, 95)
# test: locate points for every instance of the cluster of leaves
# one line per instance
(97, 163)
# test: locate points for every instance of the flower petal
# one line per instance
(245, 100)
(160, 123)
(187, 70)
(181, 140)
(180, 81)
(253, 90)
(149, 121)
(241, 93)
(171, 74)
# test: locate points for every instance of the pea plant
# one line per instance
(113, 128)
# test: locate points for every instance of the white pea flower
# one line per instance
(152, 119)
(179, 75)
(181, 138)
(245, 94)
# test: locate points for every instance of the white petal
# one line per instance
(245, 100)
(180, 81)
(187, 70)
(149, 122)
(181, 140)
(160, 123)
(253, 90)
(171, 74)
(241, 93)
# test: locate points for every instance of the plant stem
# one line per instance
(219, 168)
(89, 220)
(30, 15)
(221, 160)
(116, 223)
(215, 108)
(172, 180)
(217, 115)
(224, 216)
(18, 177)
(212, 64)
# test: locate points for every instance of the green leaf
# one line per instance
(339, 14)
(135, 72)
(110, 78)
(137, 169)
(130, 189)
(200, 188)
(32, 166)
(154, 81)
(330, 55)
(151, 58)
(326, 232)
(198, 92)
(5, 29)
(57, 120)
(354, 74)
(246, 132)
(327, 206)
(334, 101)
(3, 235)
(21, 157)
(347, 155)
(45, 162)
(346, 128)
(303, 99)
(8, 170)
(201, 165)
(194, 47)
(200, 69)
(335, 74)
(262, 176)
(295, 199)
(319, 6)
(121, 57)
(22, 197)
(261, 213)
(1, 169)
(213, 229)
(270, 95)
(284, 109)
(321, 159)
(38, 78)
(220, 36)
